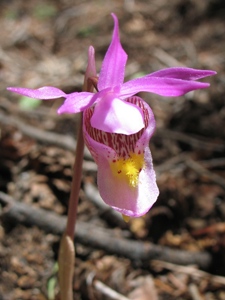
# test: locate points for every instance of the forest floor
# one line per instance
(176, 251)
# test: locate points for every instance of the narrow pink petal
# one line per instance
(113, 65)
(170, 87)
(117, 116)
(45, 93)
(76, 102)
(182, 73)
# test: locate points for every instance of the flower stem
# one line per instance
(67, 250)
(76, 182)
(66, 257)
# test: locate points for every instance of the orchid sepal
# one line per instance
(113, 65)
(163, 86)
(43, 93)
(182, 73)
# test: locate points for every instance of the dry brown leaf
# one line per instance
(144, 289)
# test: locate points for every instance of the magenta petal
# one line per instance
(182, 73)
(76, 102)
(117, 116)
(45, 93)
(113, 65)
(170, 87)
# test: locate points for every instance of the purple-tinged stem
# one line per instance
(66, 257)
(76, 182)
(67, 249)
(89, 84)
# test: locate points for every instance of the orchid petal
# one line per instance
(130, 201)
(117, 116)
(76, 102)
(115, 191)
(170, 87)
(182, 73)
(133, 202)
(45, 93)
(113, 65)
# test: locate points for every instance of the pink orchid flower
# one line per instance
(118, 125)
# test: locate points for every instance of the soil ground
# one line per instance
(46, 43)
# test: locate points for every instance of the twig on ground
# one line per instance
(144, 288)
(107, 291)
(101, 238)
(43, 136)
(171, 162)
(194, 292)
(180, 286)
(195, 142)
(189, 270)
(204, 172)
(104, 289)
(213, 163)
